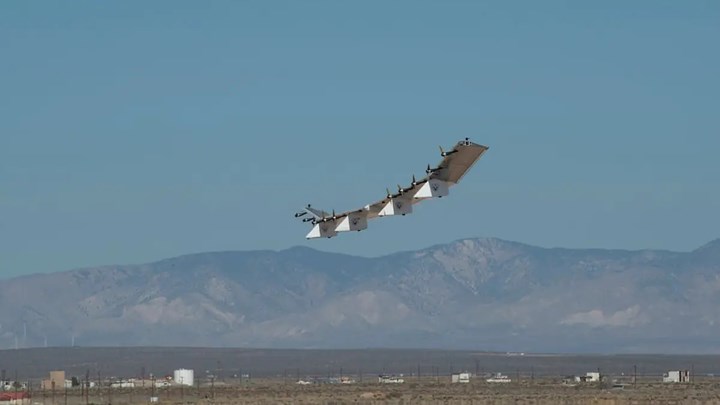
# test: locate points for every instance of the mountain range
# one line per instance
(480, 294)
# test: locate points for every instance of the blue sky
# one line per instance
(134, 131)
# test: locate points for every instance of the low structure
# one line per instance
(679, 376)
(499, 378)
(122, 384)
(390, 379)
(592, 376)
(12, 386)
(570, 380)
(460, 378)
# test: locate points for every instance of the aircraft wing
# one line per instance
(458, 161)
(451, 169)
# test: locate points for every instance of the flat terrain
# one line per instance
(259, 376)
(129, 362)
(413, 391)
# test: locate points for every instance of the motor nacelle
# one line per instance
(352, 222)
(324, 229)
(396, 206)
(433, 188)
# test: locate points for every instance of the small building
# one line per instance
(184, 377)
(680, 376)
(499, 378)
(570, 381)
(122, 384)
(12, 386)
(460, 378)
(390, 379)
(592, 376)
(55, 382)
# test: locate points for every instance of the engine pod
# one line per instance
(322, 230)
(396, 206)
(352, 222)
(433, 188)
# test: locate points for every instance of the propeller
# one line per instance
(299, 214)
(430, 170)
(443, 153)
(400, 189)
(414, 182)
(334, 216)
(389, 194)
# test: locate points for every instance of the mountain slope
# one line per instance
(475, 293)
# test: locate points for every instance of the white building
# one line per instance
(12, 386)
(184, 377)
(592, 376)
(390, 379)
(461, 377)
(680, 376)
(122, 384)
(499, 378)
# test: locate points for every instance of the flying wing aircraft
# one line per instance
(436, 184)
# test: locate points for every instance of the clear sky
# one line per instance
(132, 131)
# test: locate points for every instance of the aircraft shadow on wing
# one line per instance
(436, 184)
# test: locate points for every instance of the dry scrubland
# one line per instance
(273, 373)
(414, 391)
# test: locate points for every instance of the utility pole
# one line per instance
(634, 375)
(692, 373)
(87, 387)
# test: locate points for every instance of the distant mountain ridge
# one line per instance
(481, 293)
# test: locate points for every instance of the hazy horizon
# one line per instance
(155, 260)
